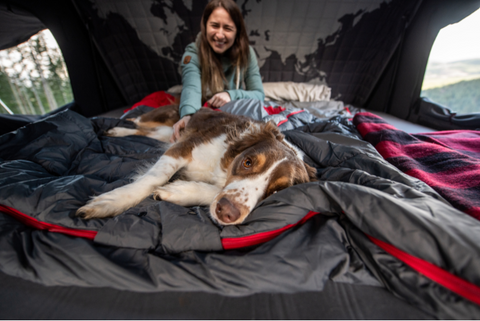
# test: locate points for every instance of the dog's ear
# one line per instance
(271, 127)
(312, 172)
(255, 133)
(304, 173)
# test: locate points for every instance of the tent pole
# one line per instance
(94, 45)
(5, 106)
(389, 97)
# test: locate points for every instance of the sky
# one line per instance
(459, 41)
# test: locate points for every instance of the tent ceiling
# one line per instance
(16, 25)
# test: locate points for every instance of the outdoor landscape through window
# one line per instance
(452, 78)
(33, 77)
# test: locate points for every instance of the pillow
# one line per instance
(285, 91)
(291, 91)
(175, 90)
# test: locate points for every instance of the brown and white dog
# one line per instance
(226, 161)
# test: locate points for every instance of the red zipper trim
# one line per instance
(452, 282)
(288, 116)
(274, 110)
(230, 243)
(33, 222)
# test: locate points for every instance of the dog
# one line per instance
(225, 161)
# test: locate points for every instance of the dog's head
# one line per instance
(259, 162)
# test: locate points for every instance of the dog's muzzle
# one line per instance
(226, 211)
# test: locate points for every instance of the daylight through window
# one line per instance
(452, 78)
(33, 77)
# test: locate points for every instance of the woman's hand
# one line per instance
(179, 125)
(218, 100)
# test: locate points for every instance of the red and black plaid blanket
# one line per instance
(448, 161)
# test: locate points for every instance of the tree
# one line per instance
(17, 104)
(35, 78)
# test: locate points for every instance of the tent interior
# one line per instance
(371, 54)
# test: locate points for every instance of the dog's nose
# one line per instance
(226, 212)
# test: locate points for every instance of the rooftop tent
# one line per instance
(371, 53)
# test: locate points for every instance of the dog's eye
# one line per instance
(247, 163)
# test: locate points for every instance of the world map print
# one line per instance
(346, 44)
(282, 29)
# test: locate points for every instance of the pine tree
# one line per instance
(33, 77)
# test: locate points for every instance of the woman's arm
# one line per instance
(191, 97)
(178, 126)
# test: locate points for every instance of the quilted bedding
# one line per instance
(363, 222)
(448, 161)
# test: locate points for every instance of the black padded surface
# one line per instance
(20, 299)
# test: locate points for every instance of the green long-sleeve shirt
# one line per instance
(191, 97)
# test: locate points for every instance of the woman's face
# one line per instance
(221, 30)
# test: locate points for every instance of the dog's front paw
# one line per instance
(176, 192)
(163, 193)
(116, 201)
(100, 207)
(120, 132)
(186, 193)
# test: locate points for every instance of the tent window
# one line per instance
(452, 78)
(33, 77)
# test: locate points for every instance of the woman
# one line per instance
(214, 67)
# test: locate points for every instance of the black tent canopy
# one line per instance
(373, 55)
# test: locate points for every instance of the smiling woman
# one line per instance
(219, 66)
(221, 31)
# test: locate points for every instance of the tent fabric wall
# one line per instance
(372, 53)
(92, 84)
(26, 25)
(400, 86)
(143, 43)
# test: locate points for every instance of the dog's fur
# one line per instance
(226, 161)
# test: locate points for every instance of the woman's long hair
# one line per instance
(213, 77)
